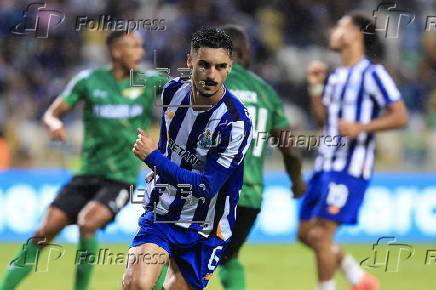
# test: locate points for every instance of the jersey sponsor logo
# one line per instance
(245, 96)
(118, 111)
(99, 93)
(205, 139)
(186, 155)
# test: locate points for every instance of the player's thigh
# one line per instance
(245, 219)
(114, 195)
(53, 222)
(144, 265)
(321, 232)
(94, 215)
(303, 229)
(174, 279)
(74, 196)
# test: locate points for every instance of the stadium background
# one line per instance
(285, 36)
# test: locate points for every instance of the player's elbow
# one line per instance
(403, 119)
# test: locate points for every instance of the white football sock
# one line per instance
(326, 285)
(352, 270)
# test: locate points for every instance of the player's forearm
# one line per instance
(51, 118)
(51, 122)
(202, 184)
(293, 163)
(396, 117)
(318, 109)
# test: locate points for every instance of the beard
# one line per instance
(205, 94)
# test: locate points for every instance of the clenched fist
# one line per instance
(316, 73)
(144, 145)
(349, 129)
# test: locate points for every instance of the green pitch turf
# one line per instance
(268, 267)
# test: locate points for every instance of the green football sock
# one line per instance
(84, 269)
(20, 266)
(160, 281)
(232, 275)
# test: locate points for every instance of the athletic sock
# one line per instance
(84, 269)
(326, 285)
(20, 266)
(232, 275)
(160, 281)
(351, 269)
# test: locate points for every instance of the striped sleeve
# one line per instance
(328, 87)
(169, 90)
(382, 87)
(221, 161)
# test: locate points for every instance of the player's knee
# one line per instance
(316, 238)
(173, 283)
(87, 228)
(302, 238)
(43, 236)
(133, 281)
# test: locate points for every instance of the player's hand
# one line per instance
(149, 177)
(299, 187)
(144, 145)
(316, 73)
(349, 129)
(58, 134)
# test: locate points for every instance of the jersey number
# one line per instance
(259, 125)
(337, 196)
(213, 261)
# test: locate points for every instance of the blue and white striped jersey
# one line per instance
(200, 156)
(358, 94)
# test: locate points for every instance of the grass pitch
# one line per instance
(268, 267)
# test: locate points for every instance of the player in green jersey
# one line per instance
(267, 112)
(112, 112)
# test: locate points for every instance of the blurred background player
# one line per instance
(268, 116)
(199, 147)
(112, 112)
(348, 106)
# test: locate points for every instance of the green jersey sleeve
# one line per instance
(75, 89)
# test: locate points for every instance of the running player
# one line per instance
(112, 112)
(191, 204)
(267, 114)
(348, 106)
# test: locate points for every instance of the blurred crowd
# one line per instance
(285, 36)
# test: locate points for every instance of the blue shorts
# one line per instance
(334, 196)
(195, 255)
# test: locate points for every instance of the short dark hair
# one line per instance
(211, 37)
(113, 36)
(373, 46)
(240, 43)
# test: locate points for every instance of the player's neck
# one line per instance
(351, 55)
(119, 72)
(198, 99)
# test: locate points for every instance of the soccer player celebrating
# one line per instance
(349, 107)
(112, 112)
(190, 205)
(267, 114)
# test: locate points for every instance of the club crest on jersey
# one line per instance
(205, 139)
(132, 93)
